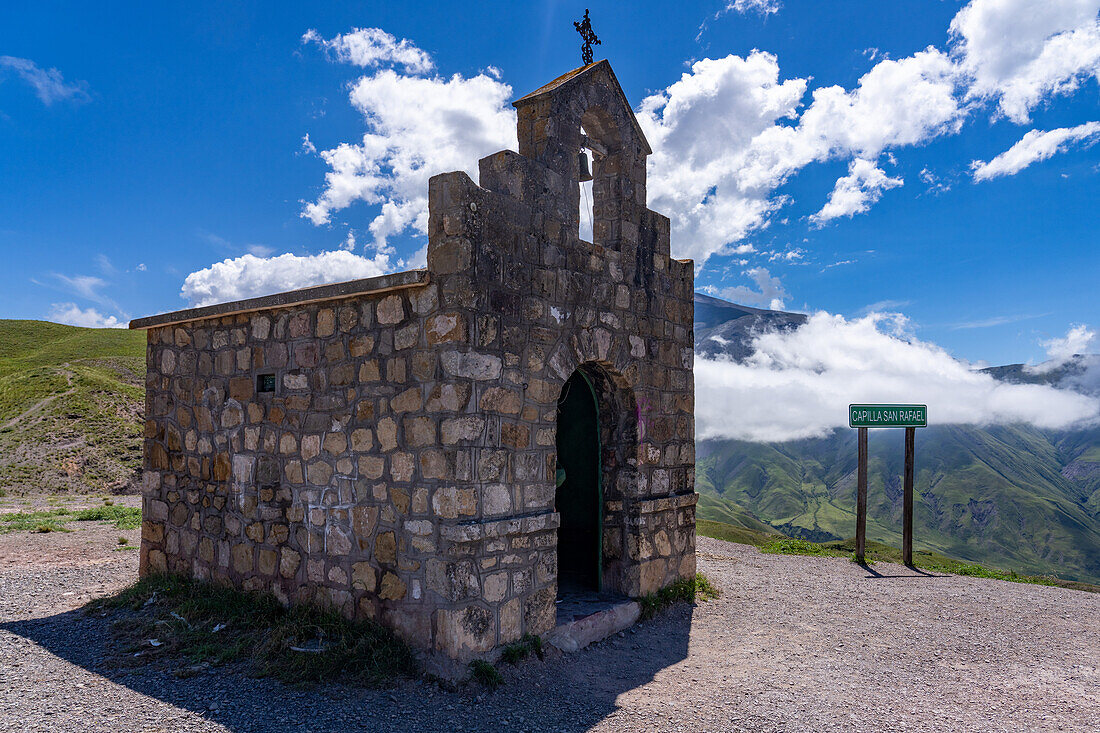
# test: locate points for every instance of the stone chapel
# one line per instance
(450, 451)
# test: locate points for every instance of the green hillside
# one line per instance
(1011, 497)
(71, 403)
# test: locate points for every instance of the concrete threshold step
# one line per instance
(579, 633)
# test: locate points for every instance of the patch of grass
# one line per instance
(52, 520)
(792, 546)
(517, 652)
(123, 517)
(877, 551)
(207, 624)
(55, 520)
(704, 589)
(730, 533)
(937, 563)
(698, 587)
(486, 674)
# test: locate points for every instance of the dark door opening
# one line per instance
(578, 498)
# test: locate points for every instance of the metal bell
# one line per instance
(582, 165)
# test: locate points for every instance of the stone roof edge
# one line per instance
(318, 293)
(569, 76)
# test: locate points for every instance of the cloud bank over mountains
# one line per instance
(798, 384)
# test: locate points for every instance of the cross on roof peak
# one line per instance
(584, 27)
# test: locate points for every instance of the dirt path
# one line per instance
(37, 406)
(793, 644)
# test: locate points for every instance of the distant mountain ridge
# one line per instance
(724, 328)
(1015, 497)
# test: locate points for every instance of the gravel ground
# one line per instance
(794, 643)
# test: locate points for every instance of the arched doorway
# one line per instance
(579, 496)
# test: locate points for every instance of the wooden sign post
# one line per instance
(863, 417)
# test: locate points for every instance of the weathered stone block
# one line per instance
(385, 548)
(387, 434)
(242, 558)
(454, 430)
(471, 365)
(464, 631)
(402, 468)
(498, 399)
(392, 588)
(363, 577)
(391, 310)
(335, 443)
(446, 328)
(448, 397)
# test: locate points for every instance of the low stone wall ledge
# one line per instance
(664, 503)
(481, 529)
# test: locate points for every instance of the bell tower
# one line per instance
(551, 119)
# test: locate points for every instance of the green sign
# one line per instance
(888, 416)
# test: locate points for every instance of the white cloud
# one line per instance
(72, 315)
(992, 322)
(763, 7)
(88, 287)
(695, 180)
(798, 384)
(1034, 146)
(250, 276)
(769, 291)
(897, 103)
(417, 126)
(1077, 340)
(718, 193)
(883, 307)
(1020, 51)
(1016, 52)
(85, 285)
(105, 265)
(372, 47)
(49, 85)
(855, 192)
(790, 255)
(349, 242)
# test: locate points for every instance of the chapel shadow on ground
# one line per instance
(915, 572)
(565, 692)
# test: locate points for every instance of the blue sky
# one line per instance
(141, 145)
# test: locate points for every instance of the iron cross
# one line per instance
(584, 27)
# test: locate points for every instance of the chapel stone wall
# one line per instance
(403, 468)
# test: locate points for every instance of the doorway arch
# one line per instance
(578, 497)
